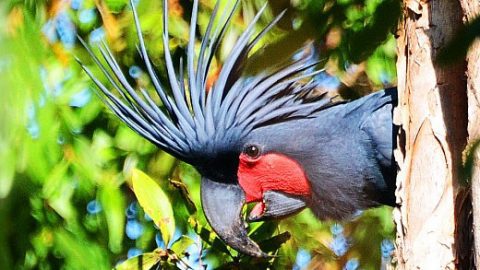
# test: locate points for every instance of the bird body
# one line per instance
(345, 152)
(261, 138)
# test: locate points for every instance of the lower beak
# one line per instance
(222, 204)
(276, 205)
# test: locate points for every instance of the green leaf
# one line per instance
(208, 236)
(7, 172)
(144, 261)
(182, 244)
(113, 203)
(116, 5)
(78, 252)
(469, 163)
(155, 203)
(192, 209)
(275, 242)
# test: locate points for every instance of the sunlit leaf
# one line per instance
(145, 261)
(54, 180)
(155, 203)
(79, 253)
(128, 140)
(182, 244)
(116, 5)
(113, 203)
(7, 172)
(208, 236)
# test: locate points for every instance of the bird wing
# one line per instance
(378, 125)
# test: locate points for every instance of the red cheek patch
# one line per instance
(271, 172)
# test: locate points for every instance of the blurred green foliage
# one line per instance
(66, 198)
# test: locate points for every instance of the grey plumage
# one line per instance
(346, 152)
(193, 124)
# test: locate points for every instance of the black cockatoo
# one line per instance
(261, 139)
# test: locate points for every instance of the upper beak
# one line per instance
(222, 204)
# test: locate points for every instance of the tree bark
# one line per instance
(432, 115)
(471, 9)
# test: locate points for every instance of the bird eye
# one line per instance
(252, 151)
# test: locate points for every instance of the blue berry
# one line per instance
(134, 229)
(81, 98)
(61, 140)
(87, 16)
(48, 29)
(385, 77)
(76, 4)
(134, 72)
(159, 241)
(134, 252)
(336, 229)
(387, 247)
(94, 207)
(96, 35)
(33, 129)
(147, 217)
(131, 211)
(66, 30)
(352, 264)
(339, 245)
(326, 80)
(302, 260)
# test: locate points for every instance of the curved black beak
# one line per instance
(222, 204)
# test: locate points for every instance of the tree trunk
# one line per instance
(471, 9)
(432, 113)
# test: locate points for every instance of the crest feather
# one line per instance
(193, 120)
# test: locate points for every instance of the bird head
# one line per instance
(225, 131)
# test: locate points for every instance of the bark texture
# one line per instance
(471, 9)
(432, 114)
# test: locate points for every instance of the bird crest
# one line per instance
(192, 121)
